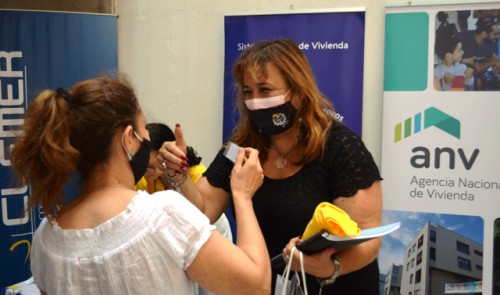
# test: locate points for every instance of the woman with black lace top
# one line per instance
(308, 157)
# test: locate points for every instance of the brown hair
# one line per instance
(68, 132)
(286, 55)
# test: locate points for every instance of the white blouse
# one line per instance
(143, 250)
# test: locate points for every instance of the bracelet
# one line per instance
(336, 272)
(176, 185)
(171, 176)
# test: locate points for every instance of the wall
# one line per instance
(173, 51)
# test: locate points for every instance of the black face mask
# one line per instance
(139, 161)
(274, 120)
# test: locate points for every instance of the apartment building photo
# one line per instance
(439, 261)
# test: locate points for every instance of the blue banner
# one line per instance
(332, 41)
(39, 50)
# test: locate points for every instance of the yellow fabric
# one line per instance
(332, 219)
(195, 172)
(151, 186)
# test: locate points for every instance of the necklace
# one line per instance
(281, 162)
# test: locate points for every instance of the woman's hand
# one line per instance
(245, 267)
(318, 264)
(365, 207)
(171, 158)
(247, 174)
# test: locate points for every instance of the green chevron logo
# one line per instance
(423, 120)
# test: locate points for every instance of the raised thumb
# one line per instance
(179, 137)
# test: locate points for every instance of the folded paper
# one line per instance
(332, 219)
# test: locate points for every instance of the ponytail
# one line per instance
(43, 156)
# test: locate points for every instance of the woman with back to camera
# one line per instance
(112, 239)
(308, 157)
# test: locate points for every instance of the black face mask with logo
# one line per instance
(274, 120)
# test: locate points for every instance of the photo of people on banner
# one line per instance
(466, 50)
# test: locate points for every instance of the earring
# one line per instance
(131, 154)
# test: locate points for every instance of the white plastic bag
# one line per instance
(285, 286)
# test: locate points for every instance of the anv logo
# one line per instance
(423, 157)
(423, 120)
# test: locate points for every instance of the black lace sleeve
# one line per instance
(218, 172)
(350, 163)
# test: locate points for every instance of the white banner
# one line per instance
(440, 147)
